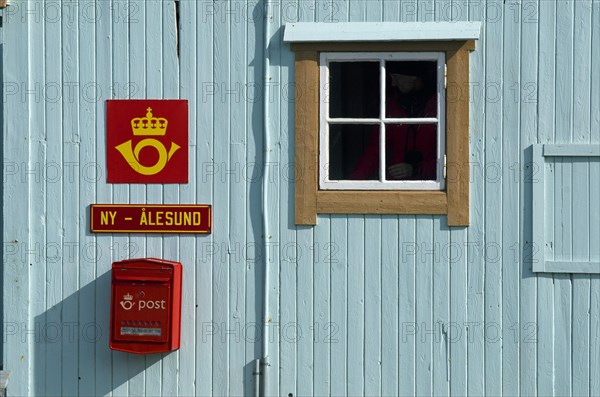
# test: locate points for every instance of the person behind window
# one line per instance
(411, 151)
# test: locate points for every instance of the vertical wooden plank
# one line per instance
(357, 10)
(546, 127)
(407, 306)
(373, 342)
(15, 65)
(582, 182)
(374, 11)
(37, 206)
(221, 230)
(322, 308)
(563, 200)
(510, 201)
(594, 254)
(356, 306)
(186, 59)
(271, 196)
(306, 139)
(54, 216)
(493, 197)
(254, 155)
(290, 330)
(391, 11)
(237, 186)
(237, 282)
(449, 307)
(525, 171)
(87, 194)
(204, 193)
(138, 70)
(305, 312)
(426, 332)
(339, 304)
(169, 380)
(457, 334)
(595, 198)
(389, 306)
(127, 14)
(562, 285)
(232, 93)
(457, 140)
(104, 79)
(71, 222)
(408, 10)
(475, 233)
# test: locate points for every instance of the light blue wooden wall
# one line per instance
(360, 305)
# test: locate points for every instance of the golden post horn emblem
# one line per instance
(147, 126)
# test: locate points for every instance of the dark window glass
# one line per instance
(411, 89)
(353, 152)
(354, 90)
(411, 151)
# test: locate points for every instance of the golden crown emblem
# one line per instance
(127, 297)
(149, 125)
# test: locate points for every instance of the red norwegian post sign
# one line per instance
(147, 141)
(151, 218)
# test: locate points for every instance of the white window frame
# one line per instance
(324, 121)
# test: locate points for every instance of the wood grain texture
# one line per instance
(381, 31)
(307, 132)
(361, 202)
(384, 304)
(383, 47)
(289, 251)
(491, 329)
(546, 129)
(475, 257)
(457, 139)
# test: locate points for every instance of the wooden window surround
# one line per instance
(310, 200)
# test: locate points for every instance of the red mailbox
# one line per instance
(145, 310)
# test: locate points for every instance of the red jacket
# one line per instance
(413, 144)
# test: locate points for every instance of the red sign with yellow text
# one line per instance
(150, 218)
(147, 141)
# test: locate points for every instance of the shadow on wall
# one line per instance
(71, 353)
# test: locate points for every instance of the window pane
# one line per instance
(353, 152)
(354, 89)
(411, 89)
(411, 151)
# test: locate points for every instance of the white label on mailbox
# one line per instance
(141, 331)
(128, 303)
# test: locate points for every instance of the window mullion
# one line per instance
(382, 131)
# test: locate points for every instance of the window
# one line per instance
(382, 121)
(346, 123)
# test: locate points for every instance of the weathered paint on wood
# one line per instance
(381, 31)
(360, 305)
